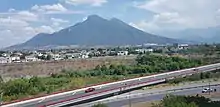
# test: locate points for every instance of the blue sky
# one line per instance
(20, 20)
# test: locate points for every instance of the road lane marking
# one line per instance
(73, 93)
(42, 100)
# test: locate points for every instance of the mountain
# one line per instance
(205, 35)
(96, 31)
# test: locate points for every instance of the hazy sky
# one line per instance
(20, 20)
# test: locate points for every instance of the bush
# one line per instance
(100, 105)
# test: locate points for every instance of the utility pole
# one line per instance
(209, 87)
(129, 97)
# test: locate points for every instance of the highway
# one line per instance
(144, 96)
(65, 98)
(155, 97)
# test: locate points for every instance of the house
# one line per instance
(5, 55)
(4, 60)
(31, 58)
(40, 54)
(56, 57)
(122, 53)
(18, 54)
(143, 50)
(72, 55)
(85, 55)
(183, 46)
(15, 58)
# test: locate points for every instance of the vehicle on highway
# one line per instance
(89, 90)
(195, 69)
(206, 90)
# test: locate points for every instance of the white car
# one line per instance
(206, 90)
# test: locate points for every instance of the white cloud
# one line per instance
(85, 18)
(21, 34)
(59, 20)
(89, 2)
(11, 10)
(180, 14)
(11, 22)
(41, 29)
(26, 15)
(13, 31)
(17, 26)
(139, 26)
(55, 8)
(44, 29)
(7, 40)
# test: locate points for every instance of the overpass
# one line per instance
(79, 95)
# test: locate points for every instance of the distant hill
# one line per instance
(95, 31)
(205, 35)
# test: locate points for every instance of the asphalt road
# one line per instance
(155, 97)
(136, 97)
(109, 88)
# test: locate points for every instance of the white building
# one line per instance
(122, 53)
(31, 58)
(144, 50)
(4, 60)
(84, 56)
(56, 57)
(15, 58)
(183, 46)
(5, 55)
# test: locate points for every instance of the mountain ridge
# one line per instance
(200, 35)
(94, 31)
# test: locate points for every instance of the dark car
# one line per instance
(89, 90)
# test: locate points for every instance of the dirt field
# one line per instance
(16, 70)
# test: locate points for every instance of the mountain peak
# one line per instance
(94, 17)
(96, 31)
(115, 19)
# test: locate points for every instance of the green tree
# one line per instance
(208, 75)
(36, 85)
(1, 79)
(202, 75)
(17, 87)
(49, 57)
(77, 83)
(103, 68)
(176, 101)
